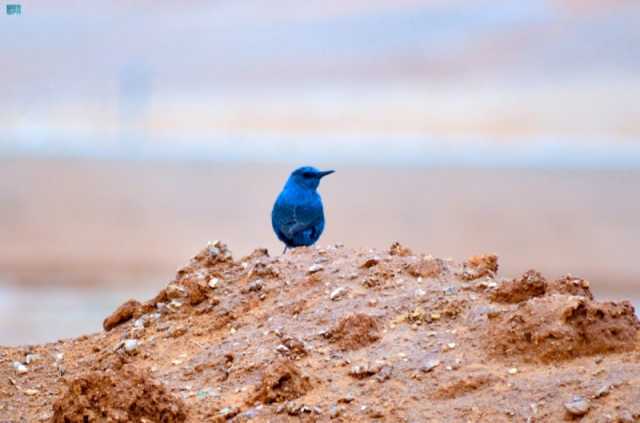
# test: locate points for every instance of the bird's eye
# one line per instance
(307, 175)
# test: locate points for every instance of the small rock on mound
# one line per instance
(355, 331)
(127, 395)
(531, 284)
(214, 257)
(557, 327)
(426, 267)
(478, 266)
(282, 381)
(398, 249)
(571, 286)
(125, 312)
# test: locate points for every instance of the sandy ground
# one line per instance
(117, 229)
(344, 335)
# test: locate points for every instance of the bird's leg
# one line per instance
(285, 250)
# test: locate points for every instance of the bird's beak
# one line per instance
(325, 173)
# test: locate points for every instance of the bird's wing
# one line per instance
(302, 218)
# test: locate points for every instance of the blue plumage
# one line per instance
(297, 216)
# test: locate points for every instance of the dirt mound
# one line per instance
(559, 326)
(124, 396)
(282, 381)
(355, 331)
(531, 284)
(321, 334)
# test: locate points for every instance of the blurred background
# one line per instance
(131, 133)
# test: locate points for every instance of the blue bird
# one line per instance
(297, 216)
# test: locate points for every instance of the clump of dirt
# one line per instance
(463, 386)
(262, 270)
(426, 267)
(214, 254)
(355, 331)
(195, 292)
(127, 395)
(558, 327)
(282, 381)
(210, 262)
(292, 347)
(572, 286)
(441, 310)
(370, 262)
(478, 266)
(125, 312)
(531, 284)
(398, 249)
(377, 276)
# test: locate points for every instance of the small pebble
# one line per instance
(20, 368)
(130, 345)
(449, 346)
(603, 391)
(430, 365)
(338, 293)
(513, 371)
(578, 406)
(30, 358)
(314, 268)
(283, 349)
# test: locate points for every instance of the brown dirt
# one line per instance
(426, 267)
(127, 395)
(355, 331)
(479, 266)
(562, 326)
(125, 312)
(531, 284)
(260, 339)
(572, 286)
(282, 381)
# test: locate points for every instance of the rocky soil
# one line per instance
(324, 334)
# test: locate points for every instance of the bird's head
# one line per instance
(307, 177)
